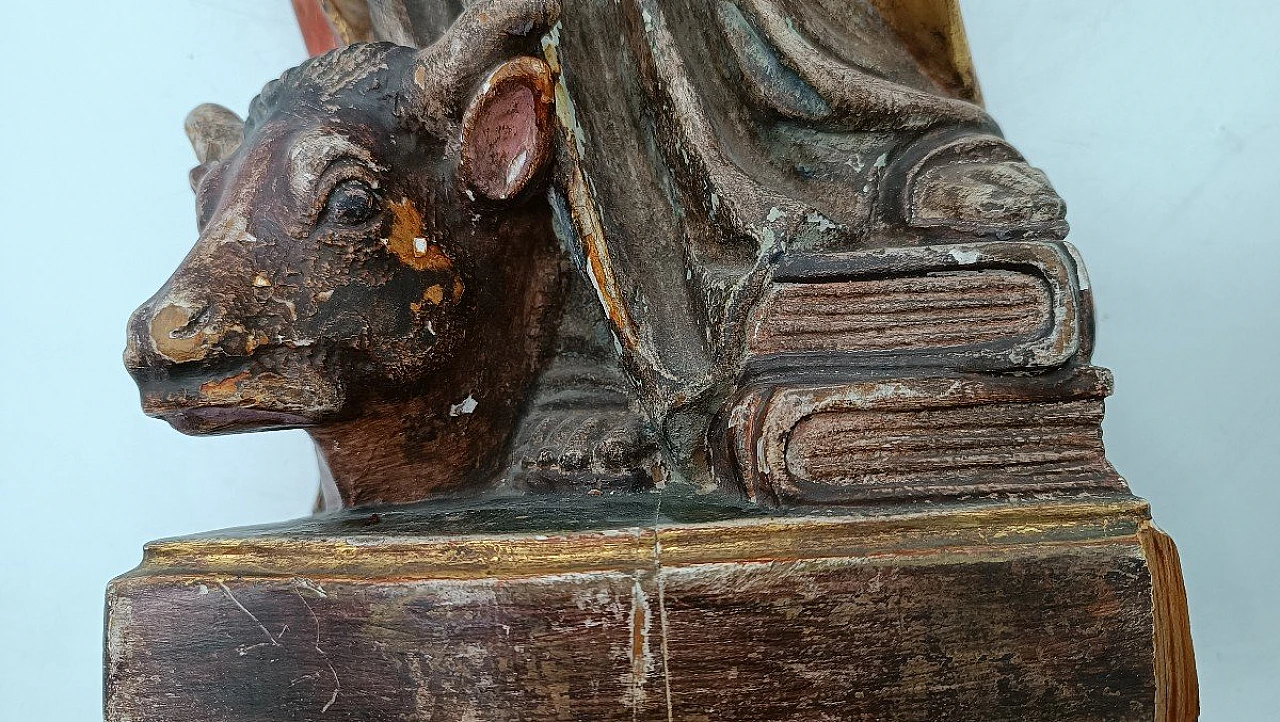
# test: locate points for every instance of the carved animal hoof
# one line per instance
(593, 451)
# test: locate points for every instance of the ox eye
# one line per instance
(350, 203)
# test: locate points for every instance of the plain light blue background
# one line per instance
(1157, 120)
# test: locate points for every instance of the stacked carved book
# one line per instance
(917, 373)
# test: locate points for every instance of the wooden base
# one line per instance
(653, 608)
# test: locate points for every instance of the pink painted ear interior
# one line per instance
(506, 129)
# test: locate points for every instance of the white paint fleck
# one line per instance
(466, 406)
(824, 223)
(880, 392)
(965, 256)
(289, 305)
(419, 246)
(517, 167)
(774, 214)
(304, 583)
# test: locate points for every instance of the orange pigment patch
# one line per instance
(433, 295)
(458, 288)
(177, 348)
(253, 341)
(226, 388)
(415, 251)
(599, 265)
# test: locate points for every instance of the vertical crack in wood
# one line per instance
(662, 606)
(662, 621)
(640, 619)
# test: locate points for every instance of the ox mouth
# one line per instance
(210, 420)
(205, 400)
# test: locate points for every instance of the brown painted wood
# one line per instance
(1020, 635)
(979, 611)
(741, 370)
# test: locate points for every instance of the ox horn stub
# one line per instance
(214, 131)
(486, 33)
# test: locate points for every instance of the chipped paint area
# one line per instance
(566, 114)
(432, 296)
(224, 389)
(405, 241)
(823, 223)
(643, 663)
(465, 406)
(1082, 273)
(313, 151)
(175, 333)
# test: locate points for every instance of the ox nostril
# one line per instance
(178, 332)
(188, 328)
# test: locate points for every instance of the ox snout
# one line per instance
(205, 375)
(164, 331)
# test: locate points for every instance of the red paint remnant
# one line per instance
(317, 33)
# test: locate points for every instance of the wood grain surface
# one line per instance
(1010, 610)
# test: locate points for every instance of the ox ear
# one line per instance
(506, 129)
(214, 131)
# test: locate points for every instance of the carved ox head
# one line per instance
(367, 236)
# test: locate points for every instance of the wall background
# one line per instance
(1157, 120)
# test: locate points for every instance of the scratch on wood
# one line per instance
(337, 683)
(271, 638)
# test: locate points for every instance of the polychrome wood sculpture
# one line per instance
(680, 360)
